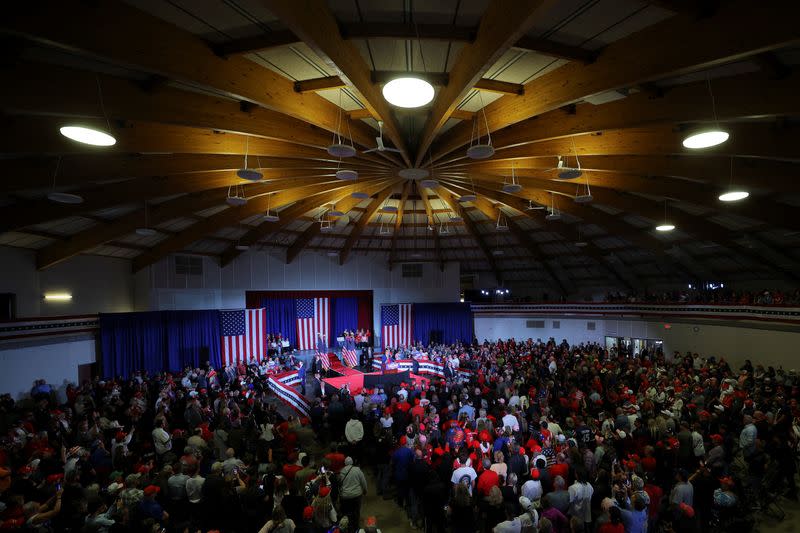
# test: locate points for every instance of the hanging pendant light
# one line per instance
(325, 223)
(270, 216)
(733, 194)
(502, 222)
(565, 172)
(339, 147)
(513, 187)
(580, 243)
(553, 213)
(62, 197)
(335, 212)
(247, 173)
(478, 149)
(583, 196)
(89, 134)
(706, 137)
(665, 226)
(237, 199)
(145, 231)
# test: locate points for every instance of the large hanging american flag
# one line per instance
(313, 316)
(397, 324)
(243, 335)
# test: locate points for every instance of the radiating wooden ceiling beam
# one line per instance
(91, 169)
(23, 135)
(248, 45)
(345, 205)
(754, 173)
(264, 229)
(163, 212)
(748, 139)
(358, 227)
(502, 87)
(472, 229)
(774, 213)
(502, 24)
(29, 212)
(423, 193)
(398, 221)
(736, 98)
(306, 195)
(319, 84)
(314, 23)
(642, 57)
(66, 98)
(125, 35)
(695, 225)
(522, 236)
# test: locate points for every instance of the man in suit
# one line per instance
(301, 373)
(317, 386)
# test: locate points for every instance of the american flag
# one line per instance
(349, 352)
(397, 322)
(313, 316)
(243, 334)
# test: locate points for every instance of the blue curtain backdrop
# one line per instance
(344, 315)
(188, 334)
(281, 318)
(132, 341)
(443, 322)
(158, 341)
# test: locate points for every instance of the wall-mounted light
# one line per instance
(58, 296)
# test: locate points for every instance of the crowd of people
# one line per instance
(718, 295)
(534, 436)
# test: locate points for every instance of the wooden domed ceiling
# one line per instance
(187, 87)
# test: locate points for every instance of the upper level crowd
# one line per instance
(537, 436)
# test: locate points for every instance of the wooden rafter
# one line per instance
(437, 247)
(555, 49)
(315, 24)
(28, 213)
(399, 218)
(265, 229)
(168, 210)
(346, 205)
(736, 98)
(642, 57)
(358, 228)
(472, 229)
(502, 24)
(114, 30)
(754, 173)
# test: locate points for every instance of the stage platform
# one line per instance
(357, 381)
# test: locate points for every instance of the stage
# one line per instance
(357, 380)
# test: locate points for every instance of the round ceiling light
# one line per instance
(512, 188)
(429, 183)
(581, 244)
(335, 213)
(346, 175)
(270, 217)
(86, 135)
(359, 195)
(64, 198)
(498, 252)
(389, 209)
(242, 247)
(665, 227)
(145, 232)
(480, 151)
(341, 150)
(733, 196)
(553, 216)
(705, 139)
(249, 174)
(583, 198)
(467, 198)
(333, 253)
(408, 92)
(413, 173)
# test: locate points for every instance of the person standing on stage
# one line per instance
(301, 373)
(322, 352)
